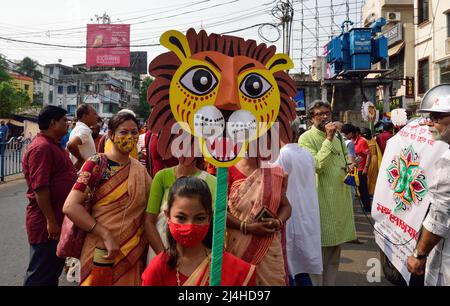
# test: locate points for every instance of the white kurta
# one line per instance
(303, 244)
(437, 271)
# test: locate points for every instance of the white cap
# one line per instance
(125, 110)
(437, 100)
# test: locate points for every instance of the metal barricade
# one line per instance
(11, 154)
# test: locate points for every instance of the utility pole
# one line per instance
(104, 19)
(284, 12)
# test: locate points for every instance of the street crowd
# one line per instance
(148, 221)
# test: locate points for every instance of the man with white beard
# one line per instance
(433, 242)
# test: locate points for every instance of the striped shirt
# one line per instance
(335, 202)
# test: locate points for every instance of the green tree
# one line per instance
(4, 76)
(38, 98)
(144, 107)
(12, 99)
(28, 67)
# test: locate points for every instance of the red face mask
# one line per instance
(188, 235)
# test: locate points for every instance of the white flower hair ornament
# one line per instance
(368, 111)
(399, 117)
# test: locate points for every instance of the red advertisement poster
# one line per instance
(108, 45)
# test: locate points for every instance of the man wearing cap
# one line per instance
(432, 253)
(335, 202)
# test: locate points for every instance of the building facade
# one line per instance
(23, 82)
(107, 91)
(432, 44)
(399, 30)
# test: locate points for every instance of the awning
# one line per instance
(396, 49)
(13, 122)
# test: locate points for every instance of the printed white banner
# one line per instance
(402, 196)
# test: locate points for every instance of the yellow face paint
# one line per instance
(125, 144)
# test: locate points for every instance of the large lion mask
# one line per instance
(222, 90)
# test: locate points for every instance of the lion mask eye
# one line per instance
(255, 86)
(199, 80)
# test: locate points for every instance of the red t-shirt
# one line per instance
(234, 271)
(158, 163)
(46, 164)
(361, 150)
(382, 140)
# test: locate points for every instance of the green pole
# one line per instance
(220, 211)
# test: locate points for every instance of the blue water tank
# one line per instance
(379, 49)
(360, 41)
(360, 48)
(334, 50)
(347, 61)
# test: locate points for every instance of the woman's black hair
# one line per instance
(118, 119)
(189, 187)
(367, 133)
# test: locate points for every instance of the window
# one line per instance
(72, 89)
(50, 82)
(26, 87)
(50, 97)
(71, 109)
(60, 90)
(423, 74)
(423, 6)
(397, 63)
(448, 25)
(444, 68)
(110, 108)
(51, 70)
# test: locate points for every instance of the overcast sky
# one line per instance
(64, 22)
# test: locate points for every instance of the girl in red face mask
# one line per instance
(187, 260)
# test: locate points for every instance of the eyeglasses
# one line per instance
(433, 118)
(322, 114)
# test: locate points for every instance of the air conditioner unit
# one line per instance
(393, 16)
(447, 46)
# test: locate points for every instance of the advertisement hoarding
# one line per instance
(108, 45)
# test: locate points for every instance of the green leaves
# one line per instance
(144, 107)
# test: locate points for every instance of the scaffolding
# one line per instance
(315, 23)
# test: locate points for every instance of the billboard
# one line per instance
(108, 45)
(300, 99)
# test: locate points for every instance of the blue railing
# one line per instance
(11, 154)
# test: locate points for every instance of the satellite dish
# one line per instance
(59, 60)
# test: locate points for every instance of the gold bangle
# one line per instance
(245, 228)
(242, 226)
(92, 227)
(281, 222)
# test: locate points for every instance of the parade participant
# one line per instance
(155, 220)
(3, 131)
(433, 242)
(375, 160)
(303, 247)
(385, 135)
(96, 132)
(349, 144)
(187, 260)
(363, 161)
(335, 204)
(49, 174)
(81, 144)
(115, 244)
(155, 161)
(258, 209)
(108, 143)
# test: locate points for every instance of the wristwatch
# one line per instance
(416, 255)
